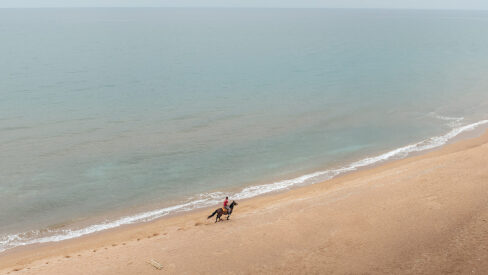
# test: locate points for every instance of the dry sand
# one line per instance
(422, 215)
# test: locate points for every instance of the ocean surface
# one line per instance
(114, 116)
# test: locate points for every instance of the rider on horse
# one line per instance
(226, 205)
(226, 210)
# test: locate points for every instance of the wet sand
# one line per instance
(426, 214)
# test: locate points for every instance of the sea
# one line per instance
(115, 116)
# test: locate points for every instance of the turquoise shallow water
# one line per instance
(114, 116)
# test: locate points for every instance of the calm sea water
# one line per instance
(115, 116)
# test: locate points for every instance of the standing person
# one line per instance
(226, 204)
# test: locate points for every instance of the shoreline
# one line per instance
(166, 227)
(414, 149)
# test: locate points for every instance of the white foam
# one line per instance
(452, 121)
(209, 199)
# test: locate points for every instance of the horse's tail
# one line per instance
(213, 214)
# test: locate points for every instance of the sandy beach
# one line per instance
(426, 214)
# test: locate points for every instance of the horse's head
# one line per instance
(234, 203)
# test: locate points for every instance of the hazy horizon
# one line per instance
(332, 4)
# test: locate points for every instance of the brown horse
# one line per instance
(220, 212)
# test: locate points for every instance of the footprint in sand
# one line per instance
(432, 202)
